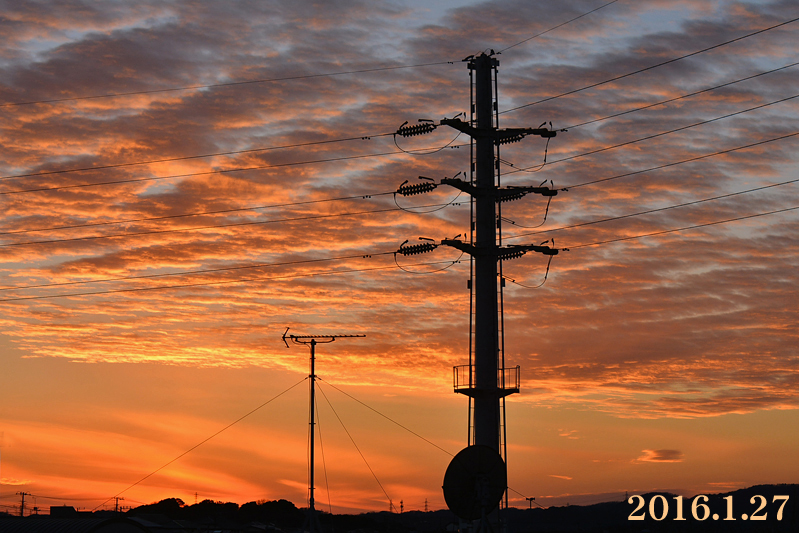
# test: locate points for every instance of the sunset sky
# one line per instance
(182, 181)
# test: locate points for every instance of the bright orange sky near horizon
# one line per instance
(154, 247)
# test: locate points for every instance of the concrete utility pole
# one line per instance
(22, 504)
(485, 394)
(487, 381)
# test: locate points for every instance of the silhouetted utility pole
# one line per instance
(116, 503)
(485, 380)
(22, 504)
(312, 341)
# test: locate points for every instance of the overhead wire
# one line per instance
(528, 286)
(356, 445)
(514, 236)
(651, 67)
(427, 151)
(194, 214)
(526, 498)
(516, 170)
(353, 138)
(556, 27)
(686, 228)
(201, 443)
(207, 172)
(278, 79)
(389, 419)
(681, 58)
(447, 267)
(347, 271)
(546, 274)
(224, 84)
(213, 283)
(190, 157)
(253, 150)
(220, 226)
(437, 207)
(675, 163)
(322, 449)
(656, 210)
(67, 499)
(412, 432)
(660, 134)
(682, 97)
(663, 232)
(194, 272)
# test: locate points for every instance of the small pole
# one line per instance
(312, 341)
(312, 376)
(22, 504)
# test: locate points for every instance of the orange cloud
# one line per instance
(661, 456)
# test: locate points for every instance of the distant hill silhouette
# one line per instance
(280, 513)
(597, 518)
(614, 516)
(283, 516)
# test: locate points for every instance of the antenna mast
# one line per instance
(312, 341)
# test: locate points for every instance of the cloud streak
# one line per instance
(661, 456)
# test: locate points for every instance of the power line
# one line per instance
(194, 272)
(660, 134)
(261, 167)
(662, 102)
(65, 499)
(44, 173)
(227, 84)
(217, 226)
(201, 442)
(224, 282)
(697, 158)
(322, 449)
(284, 78)
(354, 444)
(235, 152)
(208, 172)
(350, 197)
(674, 230)
(389, 418)
(655, 210)
(195, 213)
(547, 99)
(556, 27)
(664, 232)
(188, 157)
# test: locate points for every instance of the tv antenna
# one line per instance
(312, 341)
